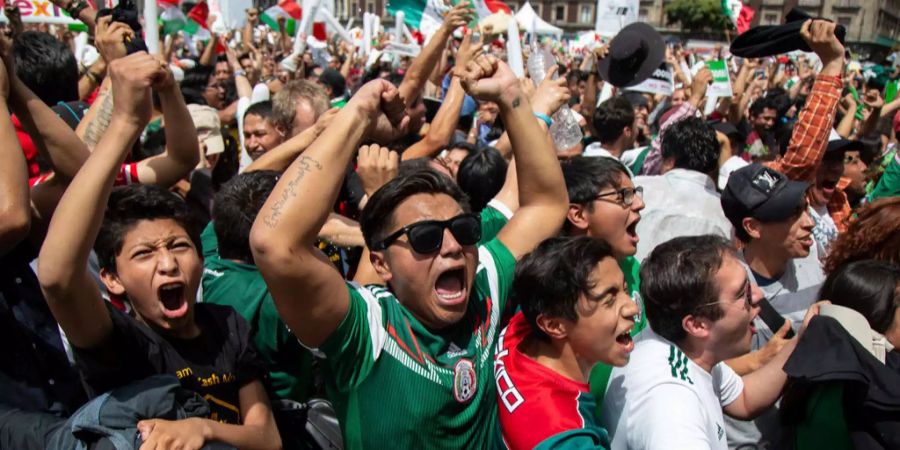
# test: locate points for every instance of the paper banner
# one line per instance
(660, 82)
(721, 85)
(40, 11)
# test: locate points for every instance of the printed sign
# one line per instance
(40, 11)
(721, 85)
(661, 82)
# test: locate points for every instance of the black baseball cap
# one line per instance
(844, 145)
(729, 130)
(762, 193)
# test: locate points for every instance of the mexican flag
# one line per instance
(423, 15)
(172, 18)
(289, 9)
(194, 23)
(740, 14)
(427, 15)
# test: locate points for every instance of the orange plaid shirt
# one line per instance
(809, 141)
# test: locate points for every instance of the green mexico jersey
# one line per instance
(242, 287)
(599, 378)
(394, 383)
(494, 217)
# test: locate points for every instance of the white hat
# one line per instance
(209, 128)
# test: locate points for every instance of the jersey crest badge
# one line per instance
(464, 380)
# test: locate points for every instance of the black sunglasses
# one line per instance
(427, 236)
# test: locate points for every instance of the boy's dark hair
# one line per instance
(758, 105)
(550, 279)
(611, 117)
(870, 287)
(481, 176)
(197, 77)
(235, 208)
(692, 143)
(678, 279)
(46, 66)
(377, 218)
(586, 176)
(129, 205)
(262, 109)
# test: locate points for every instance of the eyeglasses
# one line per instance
(625, 195)
(851, 159)
(427, 236)
(748, 296)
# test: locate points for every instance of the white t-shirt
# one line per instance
(661, 400)
(825, 231)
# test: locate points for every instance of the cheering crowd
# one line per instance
(231, 244)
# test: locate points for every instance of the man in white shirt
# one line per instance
(700, 305)
(683, 200)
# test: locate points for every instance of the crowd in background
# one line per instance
(232, 244)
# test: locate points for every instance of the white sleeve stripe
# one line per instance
(501, 208)
(486, 262)
(373, 314)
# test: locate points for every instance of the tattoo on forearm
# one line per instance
(516, 102)
(307, 165)
(100, 122)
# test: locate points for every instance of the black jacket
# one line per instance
(827, 353)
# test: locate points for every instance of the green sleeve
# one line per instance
(889, 184)
(492, 221)
(582, 438)
(824, 425)
(209, 241)
(352, 349)
(495, 272)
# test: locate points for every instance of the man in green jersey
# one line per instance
(410, 365)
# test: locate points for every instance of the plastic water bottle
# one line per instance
(565, 131)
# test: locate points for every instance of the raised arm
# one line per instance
(415, 78)
(285, 231)
(53, 138)
(182, 149)
(15, 216)
(241, 81)
(762, 387)
(542, 191)
(444, 124)
(72, 295)
(810, 136)
(110, 42)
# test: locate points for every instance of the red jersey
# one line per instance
(538, 407)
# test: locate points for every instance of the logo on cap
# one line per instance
(766, 181)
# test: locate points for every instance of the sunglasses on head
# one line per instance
(427, 236)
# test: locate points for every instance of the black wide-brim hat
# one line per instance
(770, 40)
(634, 54)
